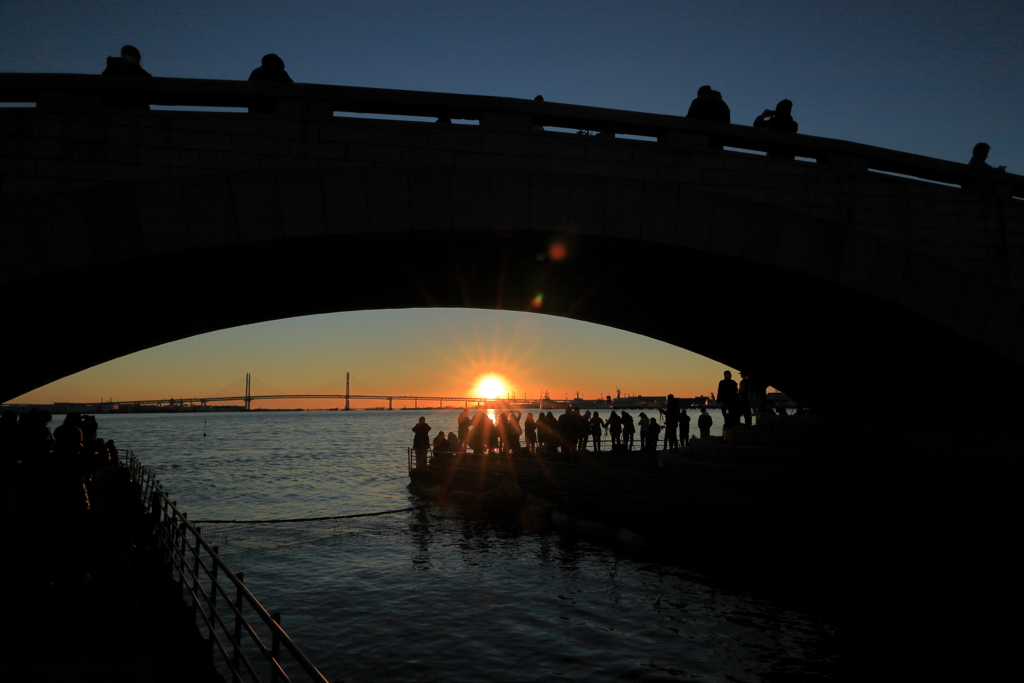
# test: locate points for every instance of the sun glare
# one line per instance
(490, 386)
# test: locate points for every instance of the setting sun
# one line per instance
(490, 386)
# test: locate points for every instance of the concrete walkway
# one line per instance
(118, 619)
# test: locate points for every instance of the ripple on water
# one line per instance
(435, 594)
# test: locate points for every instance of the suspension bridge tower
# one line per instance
(248, 395)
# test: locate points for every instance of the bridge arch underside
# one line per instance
(108, 271)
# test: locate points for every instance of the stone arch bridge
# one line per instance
(841, 273)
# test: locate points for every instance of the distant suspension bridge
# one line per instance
(248, 398)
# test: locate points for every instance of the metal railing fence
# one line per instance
(217, 596)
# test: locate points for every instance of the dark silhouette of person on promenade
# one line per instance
(614, 424)
(530, 433)
(270, 71)
(645, 423)
(595, 430)
(709, 106)
(479, 435)
(464, 423)
(421, 442)
(515, 430)
(567, 432)
(671, 413)
(129, 64)
(440, 444)
(728, 393)
(704, 423)
(684, 428)
(981, 151)
(743, 398)
(653, 432)
(628, 430)
(780, 119)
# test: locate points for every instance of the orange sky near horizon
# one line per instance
(419, 352)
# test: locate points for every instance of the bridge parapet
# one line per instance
(206, 197)
(59, 93)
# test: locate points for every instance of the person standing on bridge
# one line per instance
(780, 119)
(271, 70)
(709, 106)
(128, 64)
(981, 151)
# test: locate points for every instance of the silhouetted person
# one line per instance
(671, 413)
(535, 126)
(628, 430)
(704, 423)
(567, 431)
(421, 442)
(981, 151)
(684, 428)
(464, 422)
(440, 446)
(653, 432)
(780, 119)
(595, 430)
(270, 71)
(709, 106)
(479, 434)
(530, 433)
(614, 424)
(728, 393)
(743, 398)
(515, 430)
(129, 64)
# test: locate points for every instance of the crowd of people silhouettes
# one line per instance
(64, 484)
(573, 432)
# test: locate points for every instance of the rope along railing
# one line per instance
(222, 606)
(243, 535)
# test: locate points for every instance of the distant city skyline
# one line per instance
(931, 78)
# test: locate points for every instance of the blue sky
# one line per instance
(930, 78)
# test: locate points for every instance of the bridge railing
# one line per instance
(80, 92)
(218, 597)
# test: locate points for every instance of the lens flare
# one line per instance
(557, 251)
(490, 386)
(538, 300)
